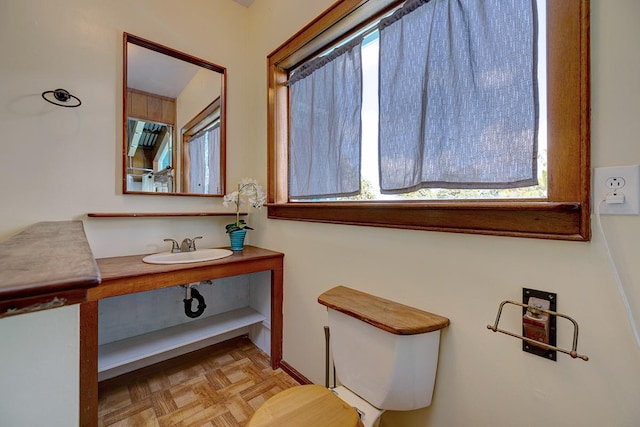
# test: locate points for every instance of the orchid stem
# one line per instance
(238, 207)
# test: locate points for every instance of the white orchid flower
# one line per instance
(254, 194)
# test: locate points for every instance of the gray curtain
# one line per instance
(197, 164)
(204, 161)
(458, 95)
(325, 130)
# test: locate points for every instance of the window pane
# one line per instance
(370, 187)
(563, 214)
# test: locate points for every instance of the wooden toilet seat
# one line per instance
(305, 406)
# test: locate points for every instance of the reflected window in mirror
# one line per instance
(174, 122)
(202, 151)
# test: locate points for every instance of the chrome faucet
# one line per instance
(189, 245)
(174, 246)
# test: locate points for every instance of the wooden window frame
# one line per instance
(564, 215)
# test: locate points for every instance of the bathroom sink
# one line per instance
(200, 255)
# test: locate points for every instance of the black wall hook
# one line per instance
(62, 98)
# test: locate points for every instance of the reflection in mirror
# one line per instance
(150, 157)
(174, 116)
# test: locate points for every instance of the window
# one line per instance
(563, 213)
(202, 152)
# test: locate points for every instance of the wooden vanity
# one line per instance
(50, 265)
(128, 274)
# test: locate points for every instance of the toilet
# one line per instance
(385, 355)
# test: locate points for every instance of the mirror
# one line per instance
(174, 122)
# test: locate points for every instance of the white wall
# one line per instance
(484, 378)
(58, 164)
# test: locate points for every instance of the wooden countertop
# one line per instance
(129, 274)
(390, 316)
(46, 259)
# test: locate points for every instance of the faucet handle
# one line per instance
(193, 242)
(174, 247)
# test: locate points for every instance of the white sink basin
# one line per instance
(199, 255)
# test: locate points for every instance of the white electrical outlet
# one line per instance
(617, 190)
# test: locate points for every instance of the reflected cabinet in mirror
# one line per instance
(174, 122)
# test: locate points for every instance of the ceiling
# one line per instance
(153, 72)
(245, 3)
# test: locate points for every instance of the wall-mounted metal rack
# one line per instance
(573, 352)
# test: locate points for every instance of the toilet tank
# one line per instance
(385, 352)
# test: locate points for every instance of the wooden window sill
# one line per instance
(545, 220)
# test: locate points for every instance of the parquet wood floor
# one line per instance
(219, 386)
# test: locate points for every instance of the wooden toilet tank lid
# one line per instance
(393, 317)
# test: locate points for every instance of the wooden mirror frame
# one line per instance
(177, 138)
